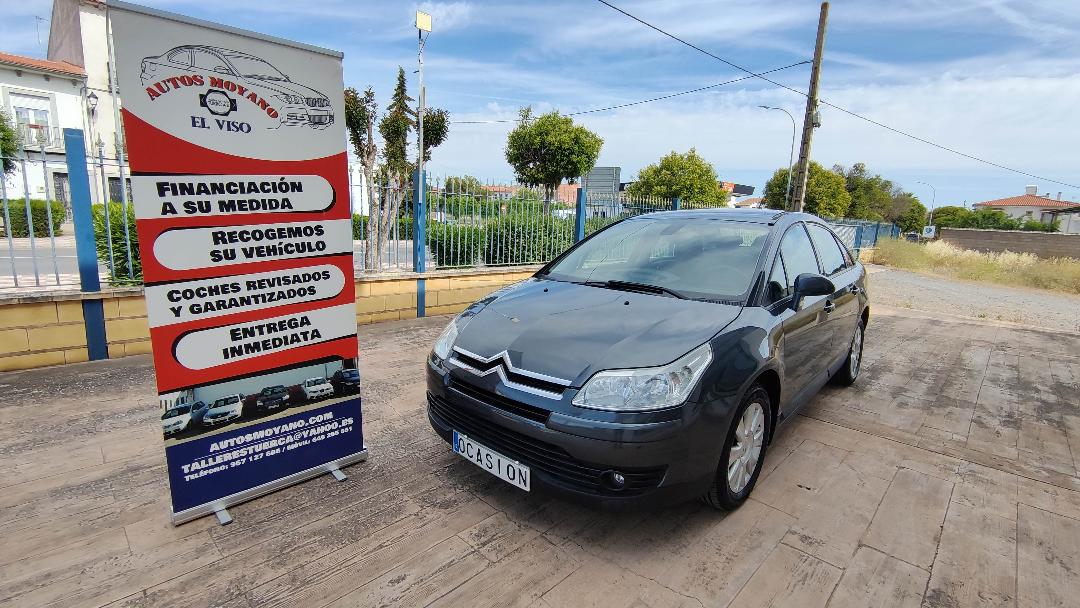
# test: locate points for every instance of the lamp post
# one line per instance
(423, 24)
(791, 155)
(91, 102)
(933, 200)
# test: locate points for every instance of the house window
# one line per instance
(114, 189)
(32, 119)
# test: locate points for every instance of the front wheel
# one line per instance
(743, 454)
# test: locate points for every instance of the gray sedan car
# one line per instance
(653, 361)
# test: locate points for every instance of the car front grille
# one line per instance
(499, 402)
(543, 456)
(512, 376)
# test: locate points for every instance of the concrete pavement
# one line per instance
(946, 477)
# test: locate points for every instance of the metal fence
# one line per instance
(468, 224)
(859, 234)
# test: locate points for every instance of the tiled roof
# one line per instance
(1026, 200)
(44, 65)
(748, 202)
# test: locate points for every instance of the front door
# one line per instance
(807, 337)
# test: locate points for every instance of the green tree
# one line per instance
(687, 176)
(10, 143)
(360, 113)
(871, 195)
(825, 192)
(395, 127)
(990, 219)
(914, 218)
(950, 216)
(466, 184)
(547, 149)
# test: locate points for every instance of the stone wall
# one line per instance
(49, 329)
(1042, 244)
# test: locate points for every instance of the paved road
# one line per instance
(1037, 307)
(945, 477)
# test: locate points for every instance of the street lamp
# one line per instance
(933, 200)
(91, 102)
(423, 24)
(791, 155)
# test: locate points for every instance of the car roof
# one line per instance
(761, 216)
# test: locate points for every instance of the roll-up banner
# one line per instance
(236, 143)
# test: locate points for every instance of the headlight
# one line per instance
(288, 98)
(446, 340)
(647, 388)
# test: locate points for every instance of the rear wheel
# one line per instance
(850, 371)
(744, 452)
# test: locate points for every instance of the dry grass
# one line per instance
(1008, 268)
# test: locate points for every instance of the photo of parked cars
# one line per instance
(182, 417)
(202, 409)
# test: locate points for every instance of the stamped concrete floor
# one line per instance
(945, 478)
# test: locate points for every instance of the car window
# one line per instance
(832, 259)
(847, 254)
(693, 256)
(209, 61)
(777, 287)
(798, 255)
(180, 56)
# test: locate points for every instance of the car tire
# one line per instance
(735, 479)
(853, 362)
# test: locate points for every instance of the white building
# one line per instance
(41, 98)
(78, 36)
(1031, 206)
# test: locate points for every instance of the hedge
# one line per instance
(359, 227)
(17, 211)
(119, 243)
(527, 239)
(455, 244)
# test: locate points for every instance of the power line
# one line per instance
(636, 103)
(832, 105)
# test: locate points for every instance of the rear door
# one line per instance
(806, 335)
(843, 305)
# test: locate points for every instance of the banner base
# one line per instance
(219, 506)
(223, 516)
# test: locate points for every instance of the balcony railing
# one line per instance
(33, 136)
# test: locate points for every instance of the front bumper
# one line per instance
(663, 463)
(220, 420)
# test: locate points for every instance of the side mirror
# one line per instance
(808, 284)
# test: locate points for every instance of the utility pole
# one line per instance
(810, 120)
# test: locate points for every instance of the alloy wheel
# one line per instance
(855, 358)
(746, 449)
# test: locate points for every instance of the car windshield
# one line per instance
(225, 401)
(177, 411)
(690, 257)
(270, 390)
(351, 374)
(253, 67)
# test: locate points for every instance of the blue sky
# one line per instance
(997, 79)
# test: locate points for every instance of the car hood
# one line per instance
(181, 418)
(570, 331)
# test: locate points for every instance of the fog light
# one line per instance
(614, 480)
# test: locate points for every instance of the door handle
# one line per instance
(829, 306)
(855, 289)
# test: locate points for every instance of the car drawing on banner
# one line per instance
(272, 398)
(346, 381)
(230, 73)
(224, 411)
(317, 388)
(182, 417)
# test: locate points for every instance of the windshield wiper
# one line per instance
(636, 287)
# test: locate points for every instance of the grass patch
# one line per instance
(1007, 268)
